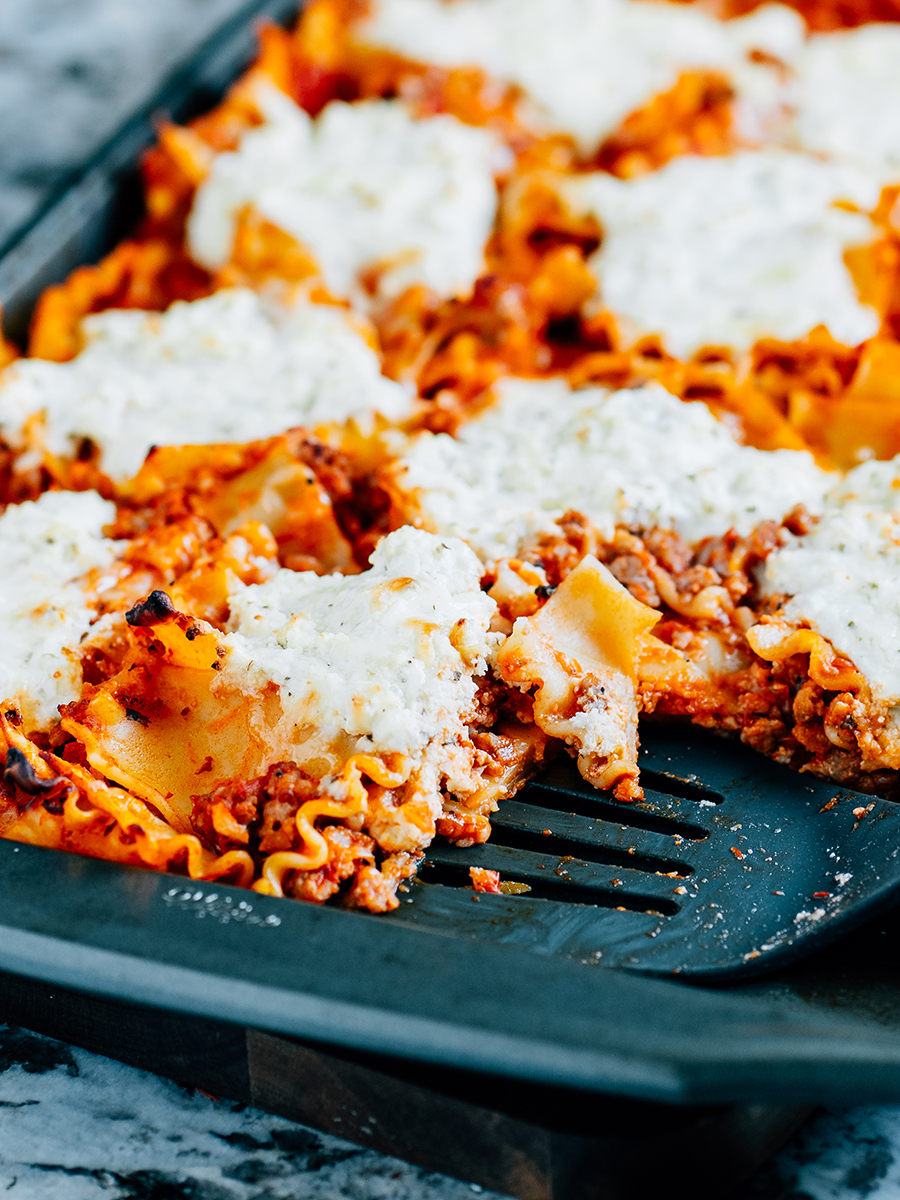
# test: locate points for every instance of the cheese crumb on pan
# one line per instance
(362, 185)
(724, 251)
(587, 64)
(848, 97)
(45, 545)
(386, 658)
(228, 368)
(842, 576)
(637, 455)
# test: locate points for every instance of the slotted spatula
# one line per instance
(731, 864)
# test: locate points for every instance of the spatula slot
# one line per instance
(552, 846)
(565, 792)
(456, 875)
(684, 789)
(597, 807)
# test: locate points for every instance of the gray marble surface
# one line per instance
(847, 1154)
(77, 1126)
(71, 71)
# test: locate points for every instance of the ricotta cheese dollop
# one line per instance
(723, 251)
(362, 185)
(229, 368)
(385, 659)
(45, 546)
(586, 64)
(848, 97)
(638, 455)
(842, 576)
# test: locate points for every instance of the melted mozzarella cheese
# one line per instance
(386, 659)
(848, 97)
(723, 251)
(362, 185)
(843, 575)
(223, 369)
(45, 545)
(587, 64)
(637, 456)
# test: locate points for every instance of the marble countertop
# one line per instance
(77, 1126)
(71, 71)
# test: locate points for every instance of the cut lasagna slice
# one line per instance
(380, 200)
(365, 701)
(831, 634)
(64, 598)
(233, 367)
(620, 507)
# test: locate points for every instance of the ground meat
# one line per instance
(669, 549)
(735, 558)
(462, 826)
(361, 506)
(376, 889)
(765, 734)
(346, 850)
(632, 572)
(559, 554)
(276, 831)
(264, 806)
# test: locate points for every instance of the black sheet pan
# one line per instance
(82, 222)
(359, 981)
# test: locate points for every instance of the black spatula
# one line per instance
(731, 864)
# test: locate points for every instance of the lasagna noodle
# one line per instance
(74, 810)
(580, 653)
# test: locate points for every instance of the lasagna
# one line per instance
(233, 367)
(365, 188)
(485, 380)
